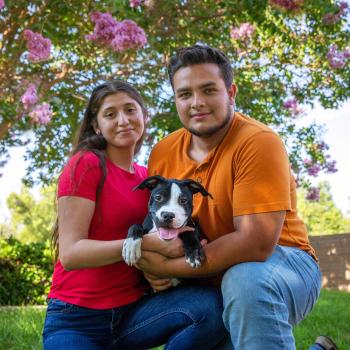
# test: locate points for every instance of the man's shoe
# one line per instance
(326, 342)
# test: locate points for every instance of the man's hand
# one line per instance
(172, 248)
(154, 264)
(157, 283)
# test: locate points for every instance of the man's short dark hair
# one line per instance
(199, 54)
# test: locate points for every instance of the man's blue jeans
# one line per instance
(182, 318)
(263, 300)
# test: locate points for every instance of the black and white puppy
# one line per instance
(169, 213)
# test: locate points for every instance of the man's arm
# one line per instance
(254, 239)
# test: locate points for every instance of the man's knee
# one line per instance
(245, 277)
(244, 285)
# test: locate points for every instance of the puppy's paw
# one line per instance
(132, 250)
(195, 258)
(193, 262)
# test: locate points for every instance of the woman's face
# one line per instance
(120, 120)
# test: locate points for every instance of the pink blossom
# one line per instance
(38, 46)
(293, 106)
(334, 17)
(29, 98)
(343, 5)
(41, 114)
(322, 146)
(135, 3)
(128, 36)
(2, 4)
(331, 18)
(346, 53)
(243, 32)
(313, 194)
(330, 167)
(307, 162)
(313, 170)
(289, 5)
(118, 35)
(105, 27)
(337, 59)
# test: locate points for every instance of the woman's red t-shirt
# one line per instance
(117, 208)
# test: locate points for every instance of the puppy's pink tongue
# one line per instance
(168, 233)
(171, 233)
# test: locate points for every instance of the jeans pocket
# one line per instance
(58, 306)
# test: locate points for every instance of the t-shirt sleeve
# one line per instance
(80, 177)
(262, 176)
(152, 163)
(141, 170)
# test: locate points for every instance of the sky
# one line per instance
(337, 136)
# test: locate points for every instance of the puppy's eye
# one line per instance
(158, 197)
(183, 200)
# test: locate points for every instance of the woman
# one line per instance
(96, 301)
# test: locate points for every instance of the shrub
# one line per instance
(25, 272)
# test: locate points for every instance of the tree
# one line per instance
(284, 54)
(322, 217)
(6, 230)
(32, 218)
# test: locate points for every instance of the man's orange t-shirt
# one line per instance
(247, 173)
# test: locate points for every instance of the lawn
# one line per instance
(20, 327)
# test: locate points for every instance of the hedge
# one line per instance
(25, 272)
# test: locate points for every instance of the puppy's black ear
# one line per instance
(196, 187)
(150, 183)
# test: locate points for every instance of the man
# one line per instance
(272, 278)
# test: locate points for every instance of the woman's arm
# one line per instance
(76, 251)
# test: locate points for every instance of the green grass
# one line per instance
(330, 316)
(21, 327)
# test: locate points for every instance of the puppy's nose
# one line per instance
(167, 216)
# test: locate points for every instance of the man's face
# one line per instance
(204, 104)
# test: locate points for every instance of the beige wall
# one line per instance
(333, 252)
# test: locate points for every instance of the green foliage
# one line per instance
(25, 272)
(322, 217)
(286, 56)
(32, 219)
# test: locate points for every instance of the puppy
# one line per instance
(170, 209)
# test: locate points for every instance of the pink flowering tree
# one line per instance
(286, 55)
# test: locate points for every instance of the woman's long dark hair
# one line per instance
(88, 140)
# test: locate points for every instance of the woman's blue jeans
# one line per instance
(263, 300)
(183, 318)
